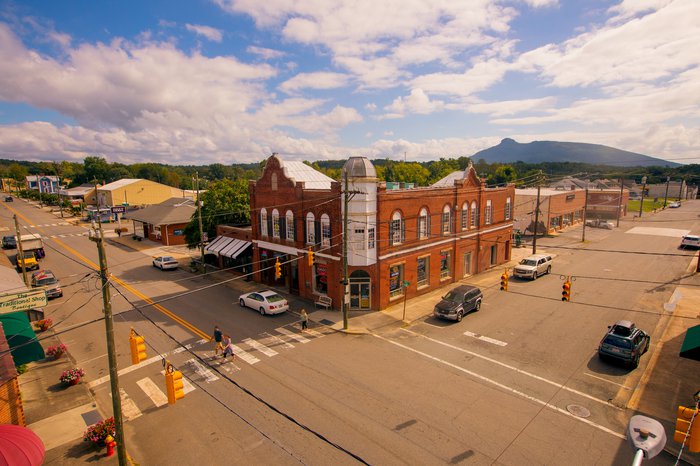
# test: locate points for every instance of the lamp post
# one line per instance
(644, 188)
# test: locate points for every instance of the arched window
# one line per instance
(446, 220)
(396, 229)
(465, 216)
(325, 230)
(488, 213)
(263, 222)
(310, 229)
(273, 181)
(423, 224)
(275, 223)
(290, 225)
(475, 216)
(508, 209)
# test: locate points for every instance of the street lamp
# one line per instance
(644, 188)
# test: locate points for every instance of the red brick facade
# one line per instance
(439, 254)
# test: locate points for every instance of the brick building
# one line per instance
(400, 241)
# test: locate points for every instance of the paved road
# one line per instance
(508, 385)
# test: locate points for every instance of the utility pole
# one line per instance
(38, 187)
(95, 235)
(20, 256)
(644, 188)
(668, 180)
(346, 203)
(619, 204)
(201, 230)
(537, 213)
(585, 208)
(680, 192)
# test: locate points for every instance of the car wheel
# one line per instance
(459, 316)
(549, 269)
(534, 275)
(646, 347)
(262, 311)
(635, 361)
(241, 302)
(477, 306)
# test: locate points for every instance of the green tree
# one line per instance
(224, 202)
(96, 168)
(411, 173)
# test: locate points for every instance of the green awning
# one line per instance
(691, 344)
(21, 338)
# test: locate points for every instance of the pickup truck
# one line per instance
(599, 223)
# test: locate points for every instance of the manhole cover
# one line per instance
(578, 410)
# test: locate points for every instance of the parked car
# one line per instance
(533, 266)
(599, 223)
(266, 301)
(47, 280)
(29, 261)
(674, 205)
(459, 301)
(9, 242)
(8, 199)
(165, 263)
(690, 241)
(624, 342)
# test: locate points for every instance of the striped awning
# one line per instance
(227, 247)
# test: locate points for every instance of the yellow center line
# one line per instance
(128, 287)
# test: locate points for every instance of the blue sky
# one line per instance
(227, 81)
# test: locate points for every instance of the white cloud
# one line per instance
(317, 80)
(214, 35)
(415, 103)
(265, 53)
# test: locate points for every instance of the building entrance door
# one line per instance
(360, 291)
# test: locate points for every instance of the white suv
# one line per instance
(690, 241)
(533, 266)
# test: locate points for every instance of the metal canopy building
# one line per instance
(227, 247)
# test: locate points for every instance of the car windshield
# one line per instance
(453, 296)
(28, 255)
(618, 341)
(44, 281)
(167, 259)
(528, 262)
(273, 298)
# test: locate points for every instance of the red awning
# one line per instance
(20, 446)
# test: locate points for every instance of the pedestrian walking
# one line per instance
(218, 337)
(119, 232)
(228, 347)
(304, 319)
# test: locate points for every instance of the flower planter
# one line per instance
(74, 381)
(57, 356)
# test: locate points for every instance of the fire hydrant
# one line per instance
(109, 441)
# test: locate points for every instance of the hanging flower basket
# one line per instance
(72, 376)
(57, 351)
(43, 324)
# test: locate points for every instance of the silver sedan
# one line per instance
(266, 302)
(165, 263)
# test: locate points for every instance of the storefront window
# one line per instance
(396, 280)
(423, 271)
(445, 263)
(321, 278)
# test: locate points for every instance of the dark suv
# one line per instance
(9, 242)
(624, 342)
(459, 301)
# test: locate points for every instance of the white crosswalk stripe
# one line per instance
(249, 358)
(291, 335)
(274, 340)
(313, 332)
(151, 389)
(205, 373)
(260, 347)
(129, 409)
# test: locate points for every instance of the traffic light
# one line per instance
(278, 269)
(174, 384)
(504, 281)
(566, 291)
(311, 256)
(138, 347)
(685, 416)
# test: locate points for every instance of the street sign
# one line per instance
(118, 209)
(14, 302)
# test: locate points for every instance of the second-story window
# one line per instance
(508, 209)
(396, 229)
(370, 238)
(446, 220)
(465, 215)
(488, 213)
(475, 216)
(290, 225)
(423, 224)
(275, 223)
(310, 229)
(263, 222)
(325, 230)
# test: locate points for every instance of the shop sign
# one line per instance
(22, 301)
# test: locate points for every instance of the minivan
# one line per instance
(533, 266)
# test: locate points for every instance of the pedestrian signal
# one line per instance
(174, 384)
(138, 347)
(683, 427)
(504, 281)
(566, 291)
(278, 269)
(311, 257)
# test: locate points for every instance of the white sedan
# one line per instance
(267, 302)
(165, 263)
